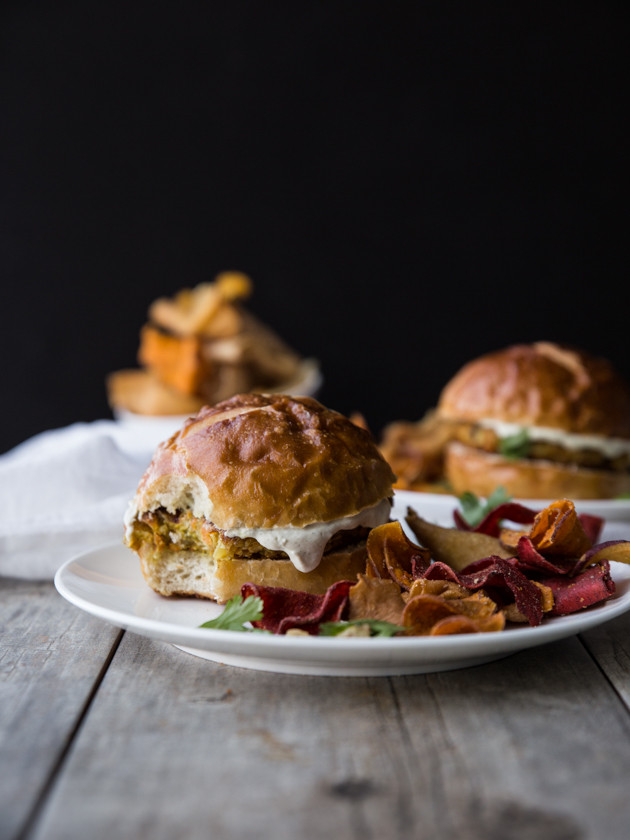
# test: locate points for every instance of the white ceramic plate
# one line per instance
(441, 506)
(108, 584)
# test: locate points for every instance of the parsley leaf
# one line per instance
(475, 509)
(236, 612)
(516, 445)
(377, 627)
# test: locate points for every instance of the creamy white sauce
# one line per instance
(611, 447)
(305, 546)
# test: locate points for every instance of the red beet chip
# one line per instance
(285, 609)
(592, 525)
(531, 560)
(571, 594)
(440, 571)
(491, 523)
(496, 574)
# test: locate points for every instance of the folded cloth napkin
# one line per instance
(65, 491)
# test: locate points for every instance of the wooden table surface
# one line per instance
(106, 734)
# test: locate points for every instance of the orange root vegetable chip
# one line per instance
(375, 598)
(557, 530)
(423, 612)
(462, 624)
(391, 554)
(453, 546)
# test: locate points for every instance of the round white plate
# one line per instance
(440, 506)
(107, 583)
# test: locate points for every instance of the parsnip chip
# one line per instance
(453, 546)
(444, 588)
(375, 598)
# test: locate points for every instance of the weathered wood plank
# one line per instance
(533, 746)
(610, 646)
(51, 654)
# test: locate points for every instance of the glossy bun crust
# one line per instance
(262, 461)
(541, 384)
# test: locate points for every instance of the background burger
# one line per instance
(272, 490)
(541, 420)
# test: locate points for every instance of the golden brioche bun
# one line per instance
(263, 461)
(541, 384)
(259, 462)
(548, 387)
(470, 469)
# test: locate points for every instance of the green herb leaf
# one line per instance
(516, 445)
(236, 612)
(475, 509)
(377, 627)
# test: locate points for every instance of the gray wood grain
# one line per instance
(609, 644)
(51, 655)
(534, 746)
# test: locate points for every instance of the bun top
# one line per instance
(262, 461)
(541, 384)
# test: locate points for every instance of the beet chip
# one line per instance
(490, 524)
(499, 575)
(571, 594)
(530, 560)
(592, 525)
(286, 609)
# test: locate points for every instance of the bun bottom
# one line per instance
(195, 573)
(469, 469)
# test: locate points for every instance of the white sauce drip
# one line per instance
(611, 447)
(305, 546)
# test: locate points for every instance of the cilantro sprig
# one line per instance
(236, 614)
(515, 446)
(474, 509)
(377, 627)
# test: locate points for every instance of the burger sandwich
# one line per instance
(541, 420)
(268, 489)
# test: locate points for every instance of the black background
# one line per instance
(408, 184)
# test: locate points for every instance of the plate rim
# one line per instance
(321, 650)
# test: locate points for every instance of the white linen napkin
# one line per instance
(65, 491)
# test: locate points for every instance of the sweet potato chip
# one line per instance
(455, 624)
(391, 554)
(424, 612)
(558, 530)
